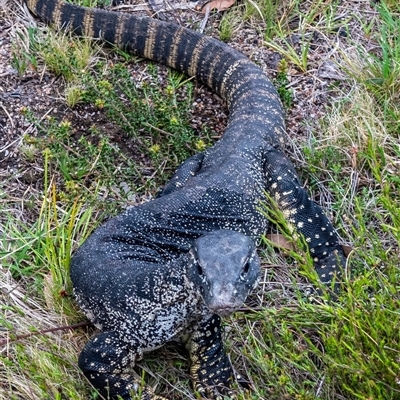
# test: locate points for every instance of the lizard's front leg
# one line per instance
(106, 362)
(210, 368)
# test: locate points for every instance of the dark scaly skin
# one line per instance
(221, 188)
(210, 366)
(141, 304)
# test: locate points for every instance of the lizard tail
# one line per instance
(253, 103)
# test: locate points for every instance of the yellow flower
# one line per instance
(99, 103)
(200, 145)
(155, 149)
(64, 124)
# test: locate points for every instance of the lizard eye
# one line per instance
(246, 267)
(245, 270)
(199, 269)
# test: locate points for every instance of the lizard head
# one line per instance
(224, 267)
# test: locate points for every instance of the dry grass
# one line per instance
(33, 366)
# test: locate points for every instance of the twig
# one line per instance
(205, 19)
(157, 129)
(8, 115)
(59, 328)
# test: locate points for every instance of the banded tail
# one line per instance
(253, 102)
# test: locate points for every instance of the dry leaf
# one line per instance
(219, 5)
(280, 240)
(347, 250)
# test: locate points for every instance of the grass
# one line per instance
(157, 118)
(289, 347)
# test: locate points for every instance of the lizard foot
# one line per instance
(106, 361)
(211, 370)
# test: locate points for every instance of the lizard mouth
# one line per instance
(223, 310)
(223, 303)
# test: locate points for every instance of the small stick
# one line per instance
(59, 328)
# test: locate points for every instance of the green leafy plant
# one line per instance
(282, 82)
(158, 116)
